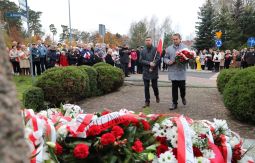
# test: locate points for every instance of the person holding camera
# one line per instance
(216, 60)
(149, 58)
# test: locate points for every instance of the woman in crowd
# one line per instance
(227, 59)
(133, 55)
(14, 58)
(222, 59)
(63, 59)
(216, 60)
(108, 57)
(52, 57)
(116, 57)
(24, 60)
(202, 59)
(73, 56)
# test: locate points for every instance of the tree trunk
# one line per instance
(13, 148)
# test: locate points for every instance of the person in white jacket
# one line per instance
(216, 60)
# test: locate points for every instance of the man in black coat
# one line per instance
(149, 58)
(124, 59)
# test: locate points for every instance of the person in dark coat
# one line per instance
(108, 57)
(36, 59)
(250, 57)
(52, 57)
(149, 58)
(73, 57)
(124, 59)
(139, 65)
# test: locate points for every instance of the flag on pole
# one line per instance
(160, 46)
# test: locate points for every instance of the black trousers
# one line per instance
(38, 68)
(125, 68)
(147, 88)
(43, 63)
(16, 67)
(203, 67)
(217, 66)
(181, 84)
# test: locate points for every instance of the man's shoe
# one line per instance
(184, 101)
(147, 104)
(127, 76)
(173, 107)
(157, 99)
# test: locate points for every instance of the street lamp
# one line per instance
(70, 28)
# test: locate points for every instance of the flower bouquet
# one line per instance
(67, 134)
(179, 56)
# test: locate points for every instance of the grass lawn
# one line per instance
(22, 83)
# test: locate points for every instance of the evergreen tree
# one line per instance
(138, 33)
(224, 22)
(205, 36)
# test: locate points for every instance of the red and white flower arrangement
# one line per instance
(69, 135)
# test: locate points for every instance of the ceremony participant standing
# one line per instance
(149, 58)
(250, 57)
(124, 59)
(35, 59)
(43, 52)
(177, 72)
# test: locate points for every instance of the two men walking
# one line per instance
(150, 58)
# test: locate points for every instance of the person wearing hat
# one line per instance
(250, 57)
(35, 59)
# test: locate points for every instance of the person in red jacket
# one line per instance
(63, 61)
(133, 61)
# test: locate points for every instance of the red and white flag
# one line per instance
(160, 46)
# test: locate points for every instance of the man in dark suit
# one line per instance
(149, 58)
(124, 59)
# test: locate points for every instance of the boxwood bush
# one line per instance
(92, 73)
(101, 64)
(65, 84)
(33, 98)
(239, 95)
(224, 77)
(109, 78)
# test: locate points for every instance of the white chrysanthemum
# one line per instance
(171, 133)
(167, 157)
(158, 130)
(207, 153)
(202, 160)
(52, 111)
(246, 159)
(167, 123)
(221, 125)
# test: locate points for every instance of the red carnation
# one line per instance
(162, 148)
(197, 152)
(162, 140)
(126, 123)
(58, 149)
(117, 131)
(93, 131)
(175, 153)
(107, 138)
(202, 136)
(81, 151)
(146, 125)
(138, 146)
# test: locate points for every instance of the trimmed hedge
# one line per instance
(101, 64)
(224, 77)
(63, 84)
(92, 73)
(109, 78)
(33, 98)
(239, 95)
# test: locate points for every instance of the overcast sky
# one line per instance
(117, 15)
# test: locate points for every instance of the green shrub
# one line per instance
(224, 77)
(239, 95)
(33, 98)
(109, 78)
(60, 85)
(101, 64)
(92, 73)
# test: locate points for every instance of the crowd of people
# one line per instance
(41, 57)
(217, 60)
